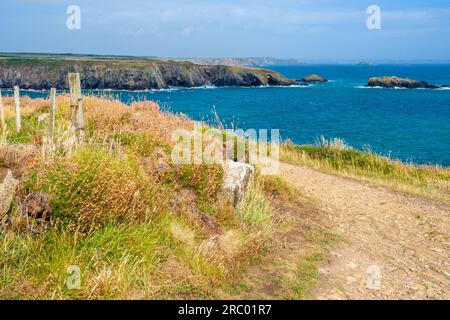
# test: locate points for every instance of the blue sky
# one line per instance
(310, 30)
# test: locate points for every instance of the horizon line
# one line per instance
(301, 61)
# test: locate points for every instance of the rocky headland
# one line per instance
(133, 74)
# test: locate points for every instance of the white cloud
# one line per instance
(187, 31)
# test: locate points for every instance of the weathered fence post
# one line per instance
(2, 114)
(52, 111)
(76, 101)
(17, 106)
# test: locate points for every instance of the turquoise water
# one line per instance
(411, 125)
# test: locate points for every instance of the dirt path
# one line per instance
(406, 237)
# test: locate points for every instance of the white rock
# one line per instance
(237, 178)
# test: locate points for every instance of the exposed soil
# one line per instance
(406, 237)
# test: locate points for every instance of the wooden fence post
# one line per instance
(2, 114)
(17, 106)
(76, 101)
(52, 111)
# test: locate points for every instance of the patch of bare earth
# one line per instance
(406, 237)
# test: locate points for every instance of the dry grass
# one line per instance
(136, 225)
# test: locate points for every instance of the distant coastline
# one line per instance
(43, 72)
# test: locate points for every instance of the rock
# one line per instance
(314, 78)
(396, 82)
(36, 205)
(230, 149)
(301, 83)
(445, 86)
(7, 193)
(237, 178)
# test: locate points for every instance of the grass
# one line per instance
(57, 61)
(336, 157)
(93, 186)
(306, 268)
(299, 271)
(113, 261)
(255, 209)
(136, 225)
(288, 269)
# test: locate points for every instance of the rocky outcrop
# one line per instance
(314, 78)
(238, 177)
(395, 82)
(7, 193)
(129, 74)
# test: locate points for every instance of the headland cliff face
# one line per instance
(39, 73)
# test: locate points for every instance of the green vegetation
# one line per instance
(306, 274)
(50, 60)
(335, 156)
(135, 225)
(255, 210)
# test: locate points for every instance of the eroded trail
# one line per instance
(406, 237)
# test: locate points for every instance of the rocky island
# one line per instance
(364, 63)
(45, 72)
(396, 82)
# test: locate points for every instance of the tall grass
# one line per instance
(120, 210)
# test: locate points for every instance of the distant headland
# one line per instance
(39, 72)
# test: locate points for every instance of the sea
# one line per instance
(409, 125)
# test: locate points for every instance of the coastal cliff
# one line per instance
(44, 73)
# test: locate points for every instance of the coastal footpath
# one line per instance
(42, 73)
(111, 202)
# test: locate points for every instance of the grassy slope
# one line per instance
(136, 225)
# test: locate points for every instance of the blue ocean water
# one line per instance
(411, 125)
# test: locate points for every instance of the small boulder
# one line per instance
(237, 178)
(36, 205)
(7, 193)
(314, 78)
